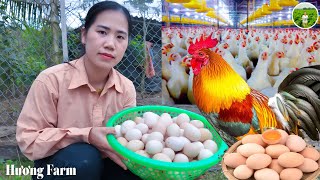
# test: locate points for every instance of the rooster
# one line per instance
(226, 100)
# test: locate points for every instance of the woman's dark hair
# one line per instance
(100, 7)
(96, 9)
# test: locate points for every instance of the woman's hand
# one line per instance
(97, 137)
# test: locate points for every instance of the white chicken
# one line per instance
(278, 79)
(186, 61)
(166, 69)
(293, 53)
(316, 53)
(274, 67)
(305, 57)
(253, 50)
(243, 58)
(178, 83)
(166, 99)
(259, 78)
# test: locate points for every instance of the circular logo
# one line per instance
(305, 15)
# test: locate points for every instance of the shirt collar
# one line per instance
(113, 80)
(80, 78)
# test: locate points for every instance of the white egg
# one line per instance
(205, 134)
(135, 145)
(161, 157)
(150, 119)
(138, 120)
(155, 136)
(192, 150)
(197, 123)
(184, 125)
(204, 153)
(199, 144)
(185, 140)
(133, 134)
(125, 126)
(182, 118)
(175, 143)
(154, 147)
(143, 153)
(180, 158)
(174, 120)
(181, 132)
(192, 133)
(211, 145)
(144, 138)
(169, 152)
(142, 127)
(117, 128)
(165, 119)
(122, 141)
(159, 127)
(173, 130)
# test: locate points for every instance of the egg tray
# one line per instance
(147, 168)
(228, 171)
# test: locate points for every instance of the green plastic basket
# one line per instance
(147, 168)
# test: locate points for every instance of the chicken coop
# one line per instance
(245, 29)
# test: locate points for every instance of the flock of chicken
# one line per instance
(262, 57)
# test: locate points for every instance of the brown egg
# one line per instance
(310, 152)
(234, 160)
(284, 136)
(254, 138)
(295, 143)
(271, 136)
(308, 165)
(242, 172)
(266, 174)
(290, 159)
(258, 161)
(247, 150)
(276, 150)
(275, 166)
(291, 174)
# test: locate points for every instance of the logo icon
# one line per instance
(305, 15)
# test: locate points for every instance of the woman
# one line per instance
(305, 20)
(62, 122)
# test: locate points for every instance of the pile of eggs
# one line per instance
(163, 138)
(267, 156)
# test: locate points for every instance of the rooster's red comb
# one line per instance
(202, 44)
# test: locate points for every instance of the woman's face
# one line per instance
(106, 40)
(305, 13)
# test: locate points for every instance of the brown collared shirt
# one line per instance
(62, 107)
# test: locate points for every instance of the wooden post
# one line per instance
(64, 31)
(54, 20)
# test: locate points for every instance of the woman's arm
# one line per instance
(37, 135)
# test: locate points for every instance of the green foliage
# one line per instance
(312, 16)
(139, 4)
(74, 44)
(22, 56)
(216, 175)
(23, 162)
(136, 47)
